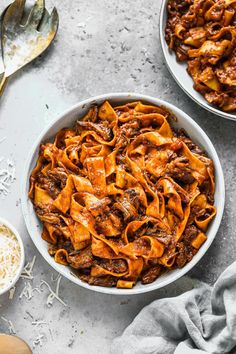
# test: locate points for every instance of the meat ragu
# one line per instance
(203, 34)
(122, 196)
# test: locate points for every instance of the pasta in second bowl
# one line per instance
(119, 207)
(210, 77)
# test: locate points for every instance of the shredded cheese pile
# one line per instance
(10, 255)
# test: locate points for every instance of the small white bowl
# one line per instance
(179, 72)
(22, 258)
(67, 119)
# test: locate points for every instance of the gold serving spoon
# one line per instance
(13, 345)
(23, 42)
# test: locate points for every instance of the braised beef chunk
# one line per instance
(130, 129)
(49, 185)
(181, 257)
(53, 182)
(160, 235)
(150, 275)
(206, 189)
(190, 233)
(84, 259)
(59, 176)
(164, 238)
(100, 128)
(218, 98)
(63, 243)
(106, 280)
(182, 135)
(47, 216)
(133, 197)
(188, 236)
(185, 253)
(195, 210)
(179, 170)
(114, 265)
(116, 220)
(100, 206)
(126, 208)
(122, 140)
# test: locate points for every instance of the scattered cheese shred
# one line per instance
(28, 291)
(7, 175)
(10, 255)
(38, 340)
(11, 328)
(53, 295)
(37, 323)
(55, 279)
(3, 139)
(12, 292)
(28, 269)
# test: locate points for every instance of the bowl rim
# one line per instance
(151, 100)
(164, 47)
(6, 223)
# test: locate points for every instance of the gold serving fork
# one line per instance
(23, 42)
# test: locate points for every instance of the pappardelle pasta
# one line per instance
(203, 34)
(123, 196)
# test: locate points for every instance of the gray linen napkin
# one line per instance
(202, 320)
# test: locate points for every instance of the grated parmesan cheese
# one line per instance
(37, 323)
(38, 340)
(11, 328)
(10, 256)
(12, 292)
(28, 291)
(56, 278)
(53, 295)
(7, 175)
(27, 270)
(3, 139)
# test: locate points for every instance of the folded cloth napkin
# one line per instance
(202, 320)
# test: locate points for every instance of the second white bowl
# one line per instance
(179, 72)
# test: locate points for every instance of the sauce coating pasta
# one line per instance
(203, 34)
(122, 195)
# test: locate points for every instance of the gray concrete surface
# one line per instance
(102, 46)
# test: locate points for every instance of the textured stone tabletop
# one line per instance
(102, 46)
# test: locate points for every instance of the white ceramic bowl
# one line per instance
(179, 72)
(22, 260)
(67, 119)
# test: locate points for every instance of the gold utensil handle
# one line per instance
(3, 84)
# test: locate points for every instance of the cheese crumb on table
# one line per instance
(38, 340)
(7, 175)
(28, 269)
(11, 327)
